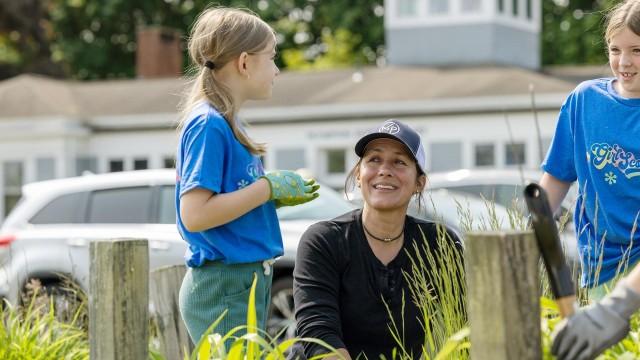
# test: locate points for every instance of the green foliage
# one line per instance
(8, 53)
(91, 39)
(327, 34)
(340, 52)
(35, 333)
(438, 288)
(97, 38)
(252, 343)
(627, 349)
(572, 31)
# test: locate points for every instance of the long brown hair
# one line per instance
(220, 35)
(625, 14)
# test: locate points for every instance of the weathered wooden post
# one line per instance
(119, 299)
(503, 295)
(165, 287)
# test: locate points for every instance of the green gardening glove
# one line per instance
(288, 188)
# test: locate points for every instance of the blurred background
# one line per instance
(89, 91)
(91, 86)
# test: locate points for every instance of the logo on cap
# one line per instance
(390, 127)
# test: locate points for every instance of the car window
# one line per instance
(502, 194)
(65, 209)
(167, 210)
(120, 206)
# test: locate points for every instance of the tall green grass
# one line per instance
(628, 348)
(437, 287)
(37, 330)
(248, 342)
(33, 331)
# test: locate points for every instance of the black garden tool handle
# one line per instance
(546, 231)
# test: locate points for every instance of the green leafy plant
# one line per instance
(248, 342)
(34, 332)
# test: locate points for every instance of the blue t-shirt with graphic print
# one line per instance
(597, 142)
(210, 157)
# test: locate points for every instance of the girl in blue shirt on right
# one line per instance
(226, 204)
(597, 143)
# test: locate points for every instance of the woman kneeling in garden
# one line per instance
(349, 284)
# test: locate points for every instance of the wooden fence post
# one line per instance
(503, 295)
(119, 299)
(165, 287)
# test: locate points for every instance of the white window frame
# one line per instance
(488, 14)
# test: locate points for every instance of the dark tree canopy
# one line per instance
(92, 39)
(573, 31)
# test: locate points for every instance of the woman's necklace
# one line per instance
(386, 239)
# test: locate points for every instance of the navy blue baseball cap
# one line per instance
(396, 130)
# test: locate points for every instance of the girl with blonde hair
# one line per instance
(226, 204)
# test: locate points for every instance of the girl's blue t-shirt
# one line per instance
(597, 143)
(210, 157)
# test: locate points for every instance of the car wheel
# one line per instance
(281, 321)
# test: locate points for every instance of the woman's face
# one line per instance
(388, 175)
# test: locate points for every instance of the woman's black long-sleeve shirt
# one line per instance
(339, 285)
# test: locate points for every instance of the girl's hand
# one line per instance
(288, 188)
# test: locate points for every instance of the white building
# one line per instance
(469, 117)
(463, 32)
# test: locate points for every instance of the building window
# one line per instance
(501, 6)
(86, 164)
(471, 6)
(116, 165)
(485, 155)
(514, 154)
(514, 7)
(291, 159)
(336, 161)
(45, 168)
(438, 6)
(140, 164)
(169, 162)
(407, 8)
(446, 156)
(529, 10)
(13, 174)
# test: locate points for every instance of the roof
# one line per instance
(33, 96)
(388, 84)
(578, 73)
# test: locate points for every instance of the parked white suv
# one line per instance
(48, 233)
(499, 185)
(504, 186)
